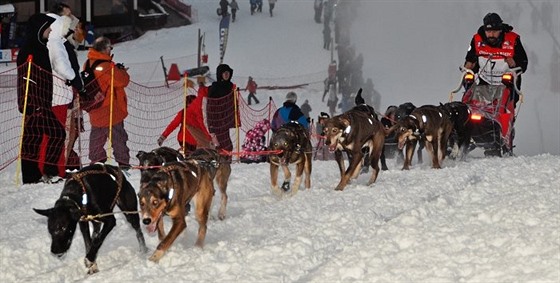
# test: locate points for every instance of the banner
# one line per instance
(224, 27)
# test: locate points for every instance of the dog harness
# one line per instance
(79, 177)
(171, 192)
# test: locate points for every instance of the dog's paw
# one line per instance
(339, 188)
(91, 266)
(156, 256)
(276, 191)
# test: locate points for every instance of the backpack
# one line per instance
(94, 96)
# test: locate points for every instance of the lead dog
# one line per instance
(426, 123)
(294, 147)
(350, 132)
(92, 191)
(166, 193)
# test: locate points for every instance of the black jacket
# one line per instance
(40, 93)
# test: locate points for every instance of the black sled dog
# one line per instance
(91, 194)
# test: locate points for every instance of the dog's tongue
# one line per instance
(401, 145)
(152, 227)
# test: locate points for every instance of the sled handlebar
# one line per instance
(463, 72)
(516, 73)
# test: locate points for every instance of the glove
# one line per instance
(82, 92)
(160, 140)
(76, 83)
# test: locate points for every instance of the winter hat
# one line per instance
(492, 21)
(291, 96)
(221, 69)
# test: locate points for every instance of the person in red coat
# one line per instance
(193, 133)
(252, 89)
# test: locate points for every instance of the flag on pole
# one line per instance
(224, 27)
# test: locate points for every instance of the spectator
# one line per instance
(332, 100)
(224, 7)
(306, 109)
(318, 7)
(289, 112)
(252, 89)
(220, 114)
(253, 6)
(116, 106)
(371, 95)
(187, 138)
(327, 37)
(64, 62)
(255, 141)
(39, 117)
(271, 4)
(234, 7)
(320, 147)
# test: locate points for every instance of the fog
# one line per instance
(413, 49)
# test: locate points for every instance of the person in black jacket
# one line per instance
(220, 107)
(224, 7)
(39, 117)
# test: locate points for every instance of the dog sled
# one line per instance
(492, 112)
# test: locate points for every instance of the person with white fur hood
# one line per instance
(66, 72)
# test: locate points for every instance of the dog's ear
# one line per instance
(75, 213)
(44, 212)
(140, 154)
(345, 122)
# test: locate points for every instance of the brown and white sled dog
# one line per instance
(219, 168)
(350, 132)
(166, 193)
(429, 124)
(292, 142)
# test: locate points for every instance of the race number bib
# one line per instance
(491, 70)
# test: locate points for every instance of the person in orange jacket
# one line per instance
(100, 117)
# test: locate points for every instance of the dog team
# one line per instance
(169, 181)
